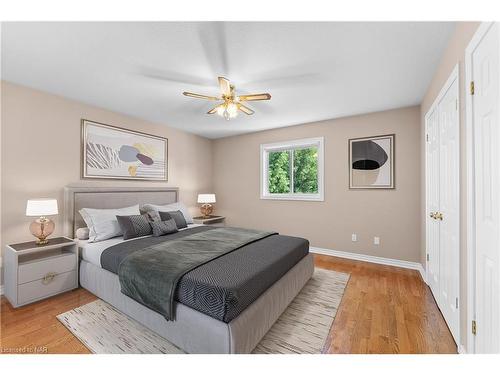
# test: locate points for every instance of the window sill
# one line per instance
(284, 197)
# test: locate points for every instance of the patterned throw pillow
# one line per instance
(180, 221)
(134, 226)
(161, 228)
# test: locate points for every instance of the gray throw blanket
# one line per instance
(150, 275)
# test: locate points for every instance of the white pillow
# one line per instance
(169, 207)
(102, 223)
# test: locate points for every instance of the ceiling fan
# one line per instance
(232, 103)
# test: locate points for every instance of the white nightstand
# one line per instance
(217, 221)
(34, 272)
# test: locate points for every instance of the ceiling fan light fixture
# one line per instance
(232, 109)
(232, 103)
(228, 110)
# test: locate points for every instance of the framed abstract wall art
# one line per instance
(110, 152)
(371, 162)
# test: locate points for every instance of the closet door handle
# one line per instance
(436, 215)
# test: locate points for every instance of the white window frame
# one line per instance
(265, 149)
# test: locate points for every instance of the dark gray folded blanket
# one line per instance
(150, 275)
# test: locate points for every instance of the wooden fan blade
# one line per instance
(245, 109)
(253, 97)
(225, 87)
(199, 96)
(214, 110)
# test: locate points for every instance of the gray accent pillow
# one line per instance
(178, 217)
(153, 215)
(134, 226)
(161, 228)
(167, 208)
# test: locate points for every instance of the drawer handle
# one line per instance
(48, 278)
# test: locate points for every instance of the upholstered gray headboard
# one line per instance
(78, 197)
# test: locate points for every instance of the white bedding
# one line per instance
(91, 251)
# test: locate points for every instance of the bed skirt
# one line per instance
(195, 332)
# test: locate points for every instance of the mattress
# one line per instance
(223, 287)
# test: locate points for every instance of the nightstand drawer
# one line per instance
(38, 289)
(31, 271)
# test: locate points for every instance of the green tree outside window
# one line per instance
(305, 171)
(279, 172)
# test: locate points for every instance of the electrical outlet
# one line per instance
(354, 237)
(376, 240)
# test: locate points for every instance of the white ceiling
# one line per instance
(314, 71)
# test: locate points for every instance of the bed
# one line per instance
(262, 277)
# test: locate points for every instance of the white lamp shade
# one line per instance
(41, 207)
(206, 198)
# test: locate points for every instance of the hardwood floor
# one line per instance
(384, 310)
(35, 329)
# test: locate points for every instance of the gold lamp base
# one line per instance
(42, 228)
(206, 210)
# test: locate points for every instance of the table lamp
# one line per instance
(42, 227)
(206, 207)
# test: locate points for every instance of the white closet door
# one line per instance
(432, 192)
(449, 205)
(485, 72)
(443, 202)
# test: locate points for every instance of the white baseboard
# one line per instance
(371, 259)
(1, 290)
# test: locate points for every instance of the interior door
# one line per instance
(485, 102)
(449, 205)
(443, 203)
(432, 194)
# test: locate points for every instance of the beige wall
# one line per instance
(393, 215)
(41, 154)
(453, 55)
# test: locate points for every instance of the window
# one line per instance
(292, 170)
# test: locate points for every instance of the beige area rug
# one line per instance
(302, 328)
